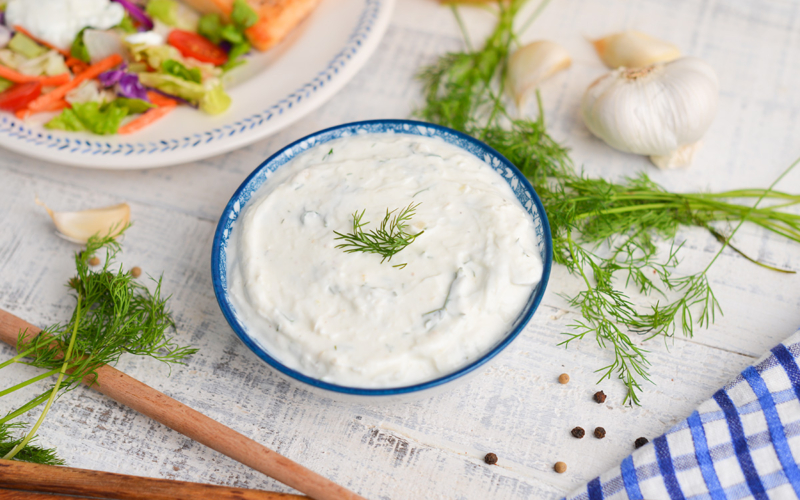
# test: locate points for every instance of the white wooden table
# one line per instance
(432, 448)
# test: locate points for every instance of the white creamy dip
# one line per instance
(347, 318)
(59, 21)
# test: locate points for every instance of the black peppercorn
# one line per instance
(640, 442)
(600, 396)
(599, 433)
(578, 432)
(490, 458)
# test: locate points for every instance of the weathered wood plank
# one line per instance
(431, 448)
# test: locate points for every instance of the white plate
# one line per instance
(275, 89)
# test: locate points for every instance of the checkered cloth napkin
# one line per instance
(742, 443)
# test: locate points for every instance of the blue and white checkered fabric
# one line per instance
(742, 443)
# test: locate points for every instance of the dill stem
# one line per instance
(535, 14)
(33, 403)
(53, 392)
(462, 27)
(745, 217)
(618, 210)
(497, 102)
(783, 205)
(709, 205)
(750, 193)
(704, 198)
(770, 226)
(571, 244)
(28, 382)
(16, 358)
(721, 238)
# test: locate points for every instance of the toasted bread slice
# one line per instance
(276, 18)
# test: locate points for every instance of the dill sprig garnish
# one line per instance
(114, 314)
(606, 233)
(390, 239)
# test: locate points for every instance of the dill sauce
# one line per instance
(347, 318)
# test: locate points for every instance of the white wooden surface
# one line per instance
(431, 448)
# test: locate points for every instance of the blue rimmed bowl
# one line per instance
(519, 184)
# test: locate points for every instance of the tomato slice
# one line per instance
(19, 96)
(193, 45)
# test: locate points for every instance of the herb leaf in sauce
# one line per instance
(604, 232)
(387, 241)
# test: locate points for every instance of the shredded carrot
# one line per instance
(55, 81)
(55, 106)
(160, 100)
(92, 71)
(147, 118)
(16, 77)
(76, 65)
(40, 41)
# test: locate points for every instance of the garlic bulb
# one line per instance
(79, 226)
(531, 64)
(634, 49)
(653, 111)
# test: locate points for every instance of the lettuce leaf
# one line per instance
(242, 15)
(214, 29)
(210, 26)
(235, 56)
(165, 11)
(191, 91)
(173, 13)
(211, 97)
(134, 106)
(126, 24)
(156, 55)
(102, 120)
(94, 117)
(174, 68)
(78, 49)
(215, 100)
(66, 120)
(49, 63)
(22, 44)
(232, 34)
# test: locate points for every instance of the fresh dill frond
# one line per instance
(606, 233)
(114, 315)
(387, 241)
(30, 452)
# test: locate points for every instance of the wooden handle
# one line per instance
(32, 495)
(193, 424)
(95, 484)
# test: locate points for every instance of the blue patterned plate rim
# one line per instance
(257, 178)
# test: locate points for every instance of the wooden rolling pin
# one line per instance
(32, 495)
(38, 479)
(130, 392)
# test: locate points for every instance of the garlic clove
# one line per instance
(80, 226)
(530, 65)
(652, 111)
(681, 157)
(634, 49)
